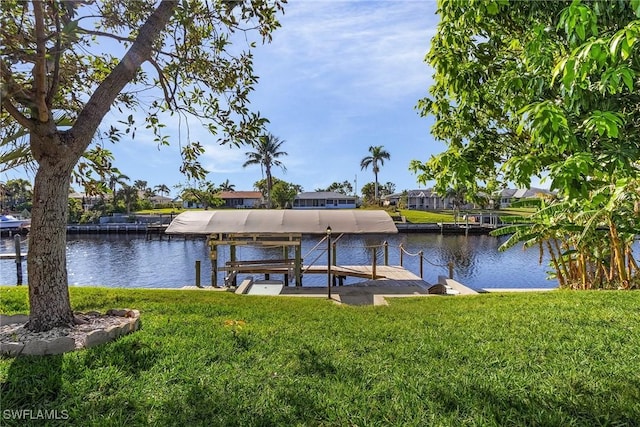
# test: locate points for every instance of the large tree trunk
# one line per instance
(47, 260)
(56, 154)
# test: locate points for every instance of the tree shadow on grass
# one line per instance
(200, 405)
(130, 355)
(43, 383)
(33, 382)
(516, 409)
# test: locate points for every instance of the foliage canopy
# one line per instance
(65, 65)
(546, 89)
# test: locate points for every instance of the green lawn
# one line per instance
(162, 211)
(417, 217)
(218, 359)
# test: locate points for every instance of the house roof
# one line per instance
(160, 199)
(424, 192)
(76, 195)
(313, 221)
(324, 195)
(240, 195)
(524, 193)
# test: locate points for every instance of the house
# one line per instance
(324, 200)
(511, 195)
(88, 202)
(241, 199)
(160, 201)
(426, 199)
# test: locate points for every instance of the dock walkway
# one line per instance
(389, 281)
(388, 272)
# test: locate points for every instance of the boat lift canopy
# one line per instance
(268, 227)
(283, 221)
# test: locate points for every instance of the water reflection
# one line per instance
(132, 261)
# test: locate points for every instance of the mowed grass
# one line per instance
(426, 217)
(508, 214)
(218, 359)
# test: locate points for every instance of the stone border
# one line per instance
(126, 321)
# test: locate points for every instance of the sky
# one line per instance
(337, 78)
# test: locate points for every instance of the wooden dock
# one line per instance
(13, 256)
(390, 282)
(445, 228)
(361, 271)
(394, 279)
(365, 271)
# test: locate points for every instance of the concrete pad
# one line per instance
(456, 286)
(261, 288)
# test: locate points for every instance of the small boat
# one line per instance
(10, 222)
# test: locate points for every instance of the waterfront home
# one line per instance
(241, 199)
(425, 199)
(324, 200)
(88, 202)
(158, 200)
(509, 196)
(428, 199)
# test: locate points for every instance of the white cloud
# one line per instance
(361, 49)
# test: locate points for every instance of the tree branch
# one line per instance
(16, 114)
(103, 34)
(100, 102)
(121, 39)
(55, 80)
(40, 68)
(10, 89)
(163, 83)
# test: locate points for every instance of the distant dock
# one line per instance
(445, 228)
(12, 256)
(149, 230)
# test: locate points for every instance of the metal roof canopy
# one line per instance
(260, 221)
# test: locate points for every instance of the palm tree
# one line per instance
(142, 187)
(114, 181)
(140, 184)
(162, 189)
(267, 151)
(378, 155)
(18, 192)
(227, 186)
(129, 194)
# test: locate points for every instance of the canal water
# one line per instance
(133, 261)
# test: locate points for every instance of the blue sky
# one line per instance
(338, 77)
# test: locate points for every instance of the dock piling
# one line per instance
(17, 240)
(386, 252)
(373, 264)
(198, 274)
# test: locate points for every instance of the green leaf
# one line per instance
(635, 5)
(625, 49)
(492, 8)
(627, 78)
(580, 31)
(569, 72)
(615, 41)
